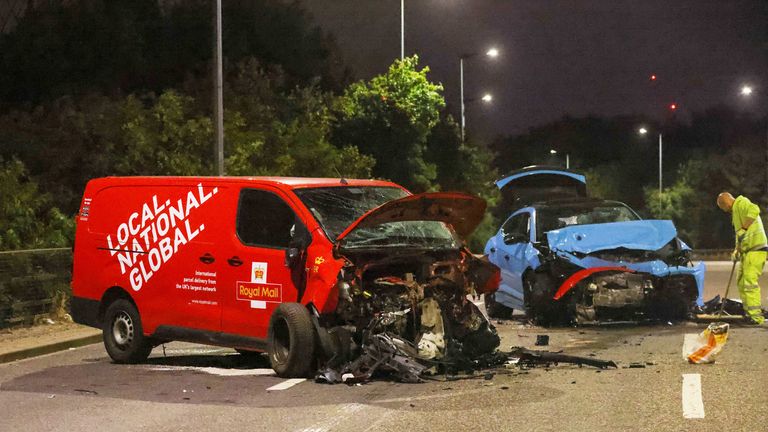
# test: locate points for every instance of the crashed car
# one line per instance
(566, 258)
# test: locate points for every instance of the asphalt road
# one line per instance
(195, 387)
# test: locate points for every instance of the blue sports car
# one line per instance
(566, 258)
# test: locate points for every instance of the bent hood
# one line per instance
(462, 211)
(647, 235)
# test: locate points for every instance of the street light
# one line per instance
(218, 85)
(487, 97)
(746, 91)
(567, 158)
(491, 53)
(644, 131)
(402, 29)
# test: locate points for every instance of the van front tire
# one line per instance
(124, 337)
(291, 341)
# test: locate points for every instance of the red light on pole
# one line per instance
(673, 106)
(653, 77)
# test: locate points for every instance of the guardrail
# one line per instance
(711, 254)
(34, 284)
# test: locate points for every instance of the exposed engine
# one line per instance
(418, 299)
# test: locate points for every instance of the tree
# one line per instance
(27, 218)
(117, 47)
(390, 118)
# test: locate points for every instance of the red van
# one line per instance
(297, 267)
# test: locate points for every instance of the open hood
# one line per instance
(649, 235)
(540, 183)
(462, 211)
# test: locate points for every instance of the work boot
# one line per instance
(752, 323)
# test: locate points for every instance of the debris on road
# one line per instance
(707, 344)
(536, 358)
(542, 340)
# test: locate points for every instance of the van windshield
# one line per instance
(336, 208)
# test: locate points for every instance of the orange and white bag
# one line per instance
(705, 347)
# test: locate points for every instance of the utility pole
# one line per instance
(660, 174)
(402, 29)
(461, 75)
(218, 98)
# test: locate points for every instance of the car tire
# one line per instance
(496, 309)
(291, 343)
(124, 337)
(539, 305)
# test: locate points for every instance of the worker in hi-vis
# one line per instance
(751, 248)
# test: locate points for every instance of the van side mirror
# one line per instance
(299, 242)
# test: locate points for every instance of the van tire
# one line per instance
(291, 343)
(123, 334)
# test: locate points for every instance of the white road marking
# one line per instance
(342, 412)
(218, 371)
(287, 384)
(693, 404)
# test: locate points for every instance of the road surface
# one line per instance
(194, 387)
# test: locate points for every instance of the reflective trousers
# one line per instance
(751, 268)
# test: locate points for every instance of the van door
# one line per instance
(256, 276)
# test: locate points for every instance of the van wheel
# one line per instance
(291, 341)
(123, 335)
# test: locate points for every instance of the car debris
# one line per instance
(536, 358)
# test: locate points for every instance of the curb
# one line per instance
(49, 348)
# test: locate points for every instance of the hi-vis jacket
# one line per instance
(754, 237)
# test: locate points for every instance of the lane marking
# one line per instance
(218, 371)
(693, 404)
(287, 384)
(339, 415)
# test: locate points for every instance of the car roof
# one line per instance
(283, 182)
(574, 202)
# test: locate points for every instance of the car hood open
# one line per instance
(462, 211)
(647, 235)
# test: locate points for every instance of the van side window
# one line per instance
(264, 219)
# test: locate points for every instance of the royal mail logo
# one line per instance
(259, 272)
(266, 292)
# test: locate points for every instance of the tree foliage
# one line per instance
(27, 218)
(390, 118)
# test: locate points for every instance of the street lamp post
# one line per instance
(492, 53)
(644, 131)
(218, 104)
(567, 158)
(402, 29)
(746, 91)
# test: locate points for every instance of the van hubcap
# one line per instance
(122, 329)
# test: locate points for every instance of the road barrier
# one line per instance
(34, 284)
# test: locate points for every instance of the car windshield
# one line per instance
(552, 218)
(336, 208)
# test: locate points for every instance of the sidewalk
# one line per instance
(21, 343)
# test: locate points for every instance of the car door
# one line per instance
(509, 254)
(257, 274)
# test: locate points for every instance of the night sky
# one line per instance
(566, 57)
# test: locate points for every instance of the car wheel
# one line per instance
(496, 309)
(291, 341)
(539, 305)
(124, 337)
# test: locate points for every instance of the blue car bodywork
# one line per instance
(643, 264)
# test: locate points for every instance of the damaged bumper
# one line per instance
(651, 289)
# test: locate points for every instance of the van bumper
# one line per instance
(85, 311)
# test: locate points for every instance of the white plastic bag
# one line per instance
(707, 344)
